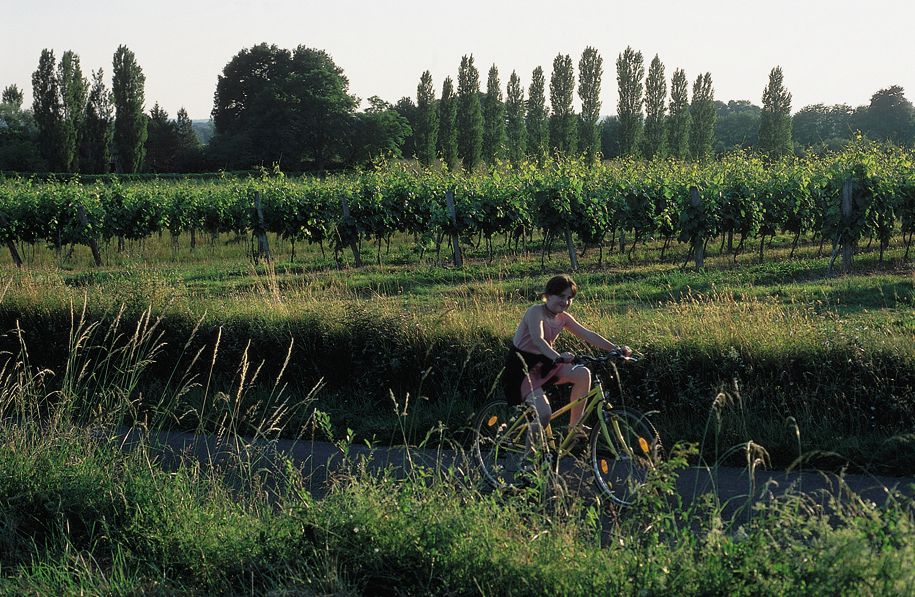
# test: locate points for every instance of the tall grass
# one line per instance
(80, 514)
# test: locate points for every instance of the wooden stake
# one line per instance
(93, 245)
(456, 245)
(698, 241)
(348, 221)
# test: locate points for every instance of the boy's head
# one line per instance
(559, 284)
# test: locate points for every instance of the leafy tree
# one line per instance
(590, 72)
(12, 95)
(654, 143)
(630, 70)
(563, 134)
(702, 117)
(74, 90)
(610, 137)
(127, 87)
(275, 106)
(406, 108)
(161, 142)
(775, 119)
(426, 130)
(536, 115)
(95, 155)
(189, 156)
(493, 118)
(378, 131)
(19, 140)
(447, 125)
(736, 125)
(47, 111)
(679, 120)
(827, 127)
(515, 112)
(890, 116)
(469, 114)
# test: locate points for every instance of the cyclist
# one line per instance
(532, 362)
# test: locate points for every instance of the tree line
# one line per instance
(293, 108)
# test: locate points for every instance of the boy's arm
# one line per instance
(589, 336)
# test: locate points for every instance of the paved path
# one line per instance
(320, 461)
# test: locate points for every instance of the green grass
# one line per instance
(80, 514)
(836, 354)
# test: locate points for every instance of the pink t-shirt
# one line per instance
(551, 329)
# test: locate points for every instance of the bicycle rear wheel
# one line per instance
(624, 447)
(500, 446)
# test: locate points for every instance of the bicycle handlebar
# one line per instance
(585, 359)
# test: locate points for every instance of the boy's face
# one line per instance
(557, 303)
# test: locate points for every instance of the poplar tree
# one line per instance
(426, 120)
(563, 136)
(536, 116)
(703, 117)
(630, 70)
(127, 87)
(190, 151)
(679, 120)
(590, 72)
(74, 90)
(654, 143)
(469, 114)
(47, 111)
(12, 96)
(775, 118)
(493, 118)
(447, 125)
(97, 128)
(515, 112)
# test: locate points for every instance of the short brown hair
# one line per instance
(559, 284)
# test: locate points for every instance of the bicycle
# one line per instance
(623, 444)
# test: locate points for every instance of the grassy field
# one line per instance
(780, 342)
(807, 366)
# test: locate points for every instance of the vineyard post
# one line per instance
(347, 220)
(698, 238)
(263, 248)
(10, 244)
(452, 212)
(573, 258)
(848, 247)
(90, 239)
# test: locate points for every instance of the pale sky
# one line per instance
(831, 51)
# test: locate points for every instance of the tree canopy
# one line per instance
(275, 106)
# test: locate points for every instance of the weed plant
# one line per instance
(80, 514)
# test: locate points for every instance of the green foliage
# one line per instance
(469, 115)
(98, 128)
(74, 91)
(447, 119)
(516, 131)
(275, 106)
(537, 125)
(775, 120)
(630, 70)
(493, 118)
(891, 117)
(679, 120)
(12, 95)
(563, 133)
(654, 142)
(48, 111)
(590, 72)
(427, 119)
(127, 90)
(702, 118)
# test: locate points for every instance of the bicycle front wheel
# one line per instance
(500, 445)
(624, 447)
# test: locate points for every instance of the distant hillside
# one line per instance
(204, 129)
